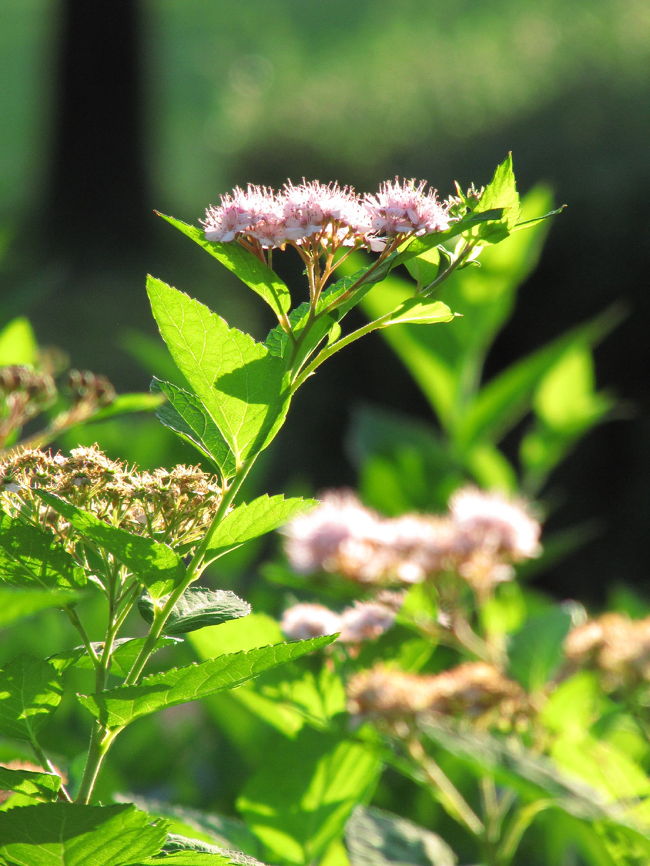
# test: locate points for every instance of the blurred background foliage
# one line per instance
(117, 109)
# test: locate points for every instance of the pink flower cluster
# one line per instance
(325, 213)
(365, 620)
(480, 537)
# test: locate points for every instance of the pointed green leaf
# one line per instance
(377, 838)
(38, 786)
(155, 564)
(198, 607)
(19, 602)
(118, 707)
(250, 270)
(18, 344)
(253, 519)
(502, 193)
(242, 386)
(537, 650)
(30, 691)
(298, 814)
(64, 834)
(417, 311)
(184, 414)
(32, 555)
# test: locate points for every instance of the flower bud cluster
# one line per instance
(24, 393)
(364, 620)
(325, 214)
(474, 690)
(479, 539)
(616, 646)
(174, 506)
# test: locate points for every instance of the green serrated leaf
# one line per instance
(243, 387)
(37, 786)
(416, 311)
(30, 691)
(32, 555)
(198, 607)
(250, 270)
(198, 858)
(377, 838)
(119, 707)
(154, 563)
(502, 193)
(253, 519)
(53, 834)
(18, 344)
(298, 814)
(185, 415)
(19, 602)
(536, 651)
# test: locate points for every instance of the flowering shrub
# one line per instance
(80, 527)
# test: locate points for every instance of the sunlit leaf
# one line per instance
(30, 691)
(298, 814)
(18, 602)
(64, 834)
(18, 343)
(241, 385)
(35, 785)
(120, 706)
(253, 519)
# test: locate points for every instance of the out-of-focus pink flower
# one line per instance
(303, 621)
(403, 207)
(314, 539)
(366, 620)
(498, 522)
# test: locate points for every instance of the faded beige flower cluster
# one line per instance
(174, 506)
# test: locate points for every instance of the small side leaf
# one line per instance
(417, 311)
(118, 707)
(156, 564)
(250, 270)
(253, 519)
(197, 608)
(38, 786)
(30, 691)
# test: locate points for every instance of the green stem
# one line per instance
(432, 286)
(100, 742)
(76, 622)
(450, 797)
(522, 820)
(194, 570)
(328, 351)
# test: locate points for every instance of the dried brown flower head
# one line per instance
(616, 646)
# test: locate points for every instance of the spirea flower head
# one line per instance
(505, 524)
(366, 620)
(313, 208)
(615, 645)
(303, 621)
(403, 207)
(241, 212)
